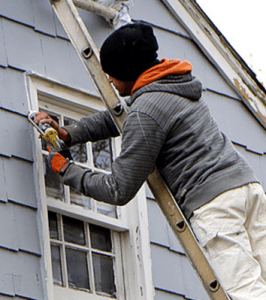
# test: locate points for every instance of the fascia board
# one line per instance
(217, 50)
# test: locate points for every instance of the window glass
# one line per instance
(73, 231)
(106, 209)
(79, 151)
(102, 154)
(79, 199)
(53, 226)
(100, 238)
(53, 182)
(103, 274)
(56, 265)
(77, 269)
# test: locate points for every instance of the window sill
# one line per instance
(62, 293)
(86, 215)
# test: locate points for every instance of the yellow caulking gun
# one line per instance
(48, 133)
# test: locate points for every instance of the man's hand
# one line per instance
(60, 161)
(45, 118)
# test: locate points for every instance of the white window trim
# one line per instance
(133, 217)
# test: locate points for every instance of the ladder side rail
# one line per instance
(88, 53)
(185, 235)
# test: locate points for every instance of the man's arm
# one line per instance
(142, 140)
(98, 126)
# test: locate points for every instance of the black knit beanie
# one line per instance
(129, 51)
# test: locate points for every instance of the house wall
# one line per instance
(33, 41)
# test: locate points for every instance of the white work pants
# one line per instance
(231, 230)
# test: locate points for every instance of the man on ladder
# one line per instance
(169, 126)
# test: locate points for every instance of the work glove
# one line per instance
(60, 161)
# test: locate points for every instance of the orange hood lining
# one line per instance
(164, 68)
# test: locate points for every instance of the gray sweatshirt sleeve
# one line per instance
(96, 127)
(142, 140)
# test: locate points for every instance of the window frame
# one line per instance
(131, 224)
(87, 248)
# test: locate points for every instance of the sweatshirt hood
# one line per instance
(171, 76)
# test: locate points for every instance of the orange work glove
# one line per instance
(59, 161)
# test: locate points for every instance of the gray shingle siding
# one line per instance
(173, 273)
(3, 56)
(154, 12)
(237, 121)
(20, 275)
(18, 221)
(43, 54)
(13, 92)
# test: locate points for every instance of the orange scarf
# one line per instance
(166, 67)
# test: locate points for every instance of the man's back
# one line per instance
(197, 161)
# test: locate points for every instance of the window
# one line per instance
(85, 256)
(92, 250)
(82, 255)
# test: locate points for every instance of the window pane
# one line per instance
(106, 209)
(100, 238)
(56, 265)
(103, 274)
(77, 269)
(79, 151)
(74, 231)
(53, 225)
(102, 155)
(53, 182)
(79, 199)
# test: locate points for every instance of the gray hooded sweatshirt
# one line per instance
(168, 126)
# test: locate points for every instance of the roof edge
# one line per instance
(229, 46)
(223, 56)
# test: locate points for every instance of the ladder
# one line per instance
(80, 38)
